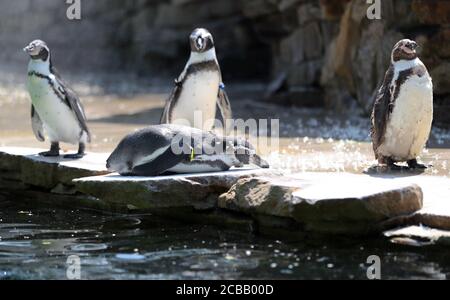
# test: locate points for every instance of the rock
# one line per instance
(432, 12)
(333, 9)
(325, 203)
(306, 74)
(299, 96)
(47, 172)
(199, 191)
(267, 202)
(419, 236)
(435, 212)
(436, 207)
(441, 78)
(309, 12)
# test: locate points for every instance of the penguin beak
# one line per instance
(28, 49)
(200, 43)
(413, 46)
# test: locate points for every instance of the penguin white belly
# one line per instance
(60, 123)
(409, 126)
(205, 163)
(196, 106)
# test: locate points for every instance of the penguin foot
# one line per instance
(50, 153)
(74, 156)
(413, 164)
(54, 150)
(394, 167)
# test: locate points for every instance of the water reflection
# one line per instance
(36, 245)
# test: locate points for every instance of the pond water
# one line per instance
(36, 242)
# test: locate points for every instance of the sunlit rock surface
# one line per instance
(26, 165)
(199, 191)
(419, 236)
(325, 202)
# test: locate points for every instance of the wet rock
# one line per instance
(325, 203)
(419, 236)
(199, 191)
(25, 165)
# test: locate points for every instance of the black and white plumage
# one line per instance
(199, 88)
(403, 108)
(170, 148)
(55, 109)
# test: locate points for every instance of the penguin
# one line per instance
(55, 108)
(171, 148)
(199, 88)
(403, 109)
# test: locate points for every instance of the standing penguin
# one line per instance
(55, 108)
(199, 87)
(403, 109)
(172, 148)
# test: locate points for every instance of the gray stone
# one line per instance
(419, 236)
(309, 12)
(326, 203)
(441, 78)
(47, 172)
(199, 191)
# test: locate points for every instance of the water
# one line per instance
(37, 241)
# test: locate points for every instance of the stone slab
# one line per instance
(326, 202)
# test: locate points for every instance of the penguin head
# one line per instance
(201, 40)
(404, 50)
(120, 159)
(37, 49)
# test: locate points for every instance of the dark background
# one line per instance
(310, 53)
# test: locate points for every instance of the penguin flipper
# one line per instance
(72, 100)
(382, 110)
(223, 103)
(159, 165)
(76, 107)
(37, 125)
(165, 117)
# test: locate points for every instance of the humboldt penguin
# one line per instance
(403, 109)
(171, 148)
(55, 108)
(199, 88)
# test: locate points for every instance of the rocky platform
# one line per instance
(259, 200)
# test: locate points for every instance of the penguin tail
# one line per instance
(246, 153)
(257, 160)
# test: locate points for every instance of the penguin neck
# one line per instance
(402, 65)
(197, 57)
(40, 66)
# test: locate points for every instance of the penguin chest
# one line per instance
(59, 121)
(206, 163)
(409, 125)
(196, 105)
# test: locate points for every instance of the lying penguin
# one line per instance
(170, 148)
(403, 110)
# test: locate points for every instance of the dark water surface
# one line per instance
(36, 242)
